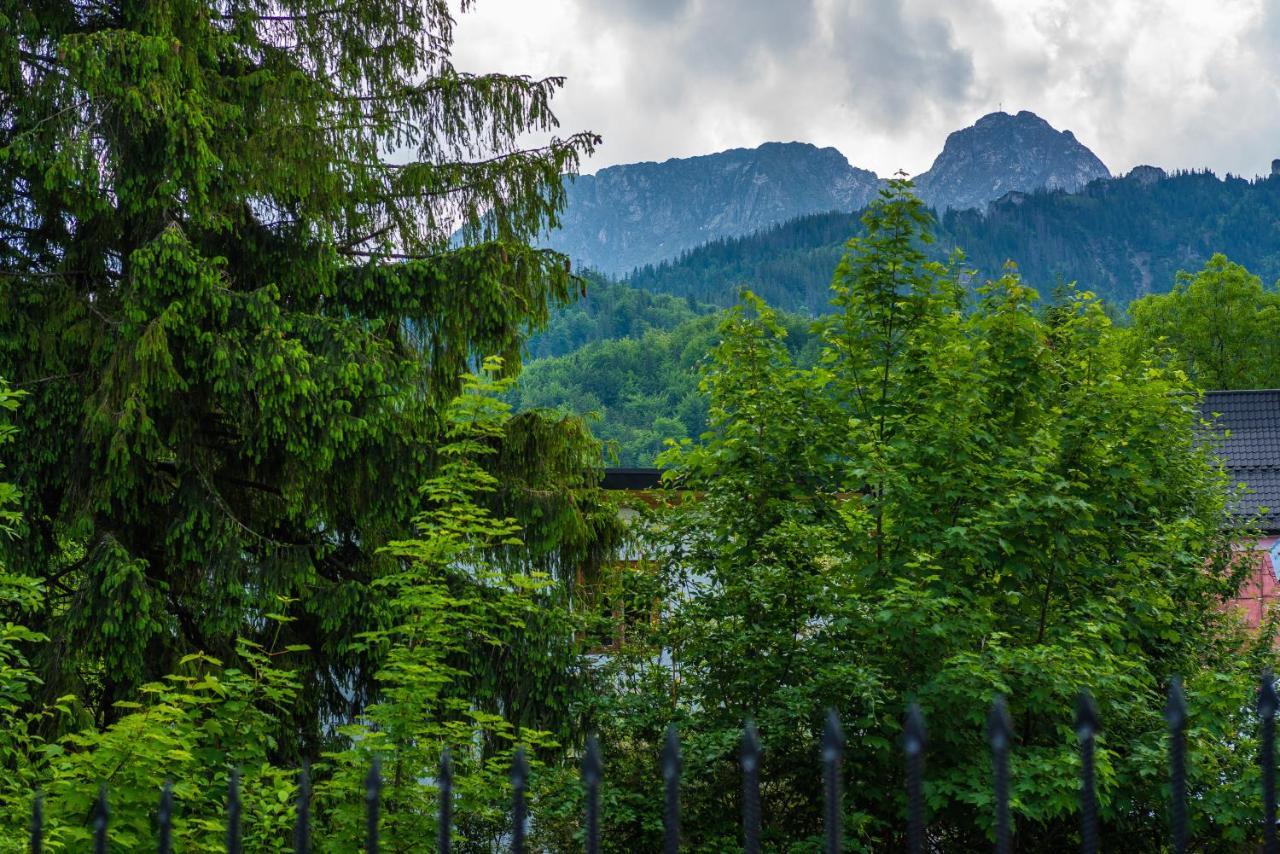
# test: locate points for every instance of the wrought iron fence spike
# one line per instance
(1087, 726)
(1175, 710)
(1000, 736)
(101, 816)
(444, 826)
(233, 812)
(37, 824)
(671, 767)
(164, 818)
(1268, 702)
(302, 824)
(1267, 705)
(999, 727)
(592, 774)
(832, 757)
(1087, 723)
(519, 782)
(1175, 714)
(914, 739)
(372, 805)
(750, 759)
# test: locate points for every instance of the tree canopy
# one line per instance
(1221, 325)
(955, 502)
(247, 251)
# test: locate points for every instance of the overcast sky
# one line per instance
(1176, 83)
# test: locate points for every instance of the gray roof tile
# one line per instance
(1249, 425)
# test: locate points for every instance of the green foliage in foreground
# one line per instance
(947, 506)
(452, 609)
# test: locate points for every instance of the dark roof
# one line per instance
(1250, 448)
(633, 479)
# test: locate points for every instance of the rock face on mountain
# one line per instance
(626, 216)
(1002, 153)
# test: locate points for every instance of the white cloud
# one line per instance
(1178, 83)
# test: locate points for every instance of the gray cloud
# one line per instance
(1180, 83)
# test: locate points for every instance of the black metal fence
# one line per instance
(1087, 726)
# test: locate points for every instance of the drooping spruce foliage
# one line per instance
(954, 502)
(229, 291)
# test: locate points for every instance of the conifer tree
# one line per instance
(247, 249)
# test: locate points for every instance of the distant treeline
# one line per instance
(1120, 238)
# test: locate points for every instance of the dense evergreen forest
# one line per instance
(1120, 238)
(608, 311)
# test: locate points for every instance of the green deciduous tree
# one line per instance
(1221, 324)
(457, 621)
(230, 286)
(951, 504)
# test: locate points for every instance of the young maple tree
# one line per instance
(955, 502)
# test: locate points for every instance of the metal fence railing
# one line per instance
(998, 734)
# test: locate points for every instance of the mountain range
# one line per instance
(627, 216)
(623, 217)
(1121, 238)
(679, 240)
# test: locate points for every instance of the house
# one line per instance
(1248, 428)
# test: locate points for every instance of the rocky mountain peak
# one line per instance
(626, 216)
(1002, 153)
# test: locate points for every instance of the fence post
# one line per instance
(100, 816)
(1175, 714)
(444, 827)
(914, 739)
(233, 812)
(372, 805)
(592, 771)
(832, 755)
(164, 818)
(1086, 727)
(1000, 734)
(519, 781)
(671, 791)
(37, 824)
(750, 758)
(302, 824)
(1267, 705)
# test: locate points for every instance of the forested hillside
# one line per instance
(638, 391)
(608, 311)
(1120, 238)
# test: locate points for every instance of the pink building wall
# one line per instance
(1261, 589)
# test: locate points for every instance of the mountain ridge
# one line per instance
(629, 215)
